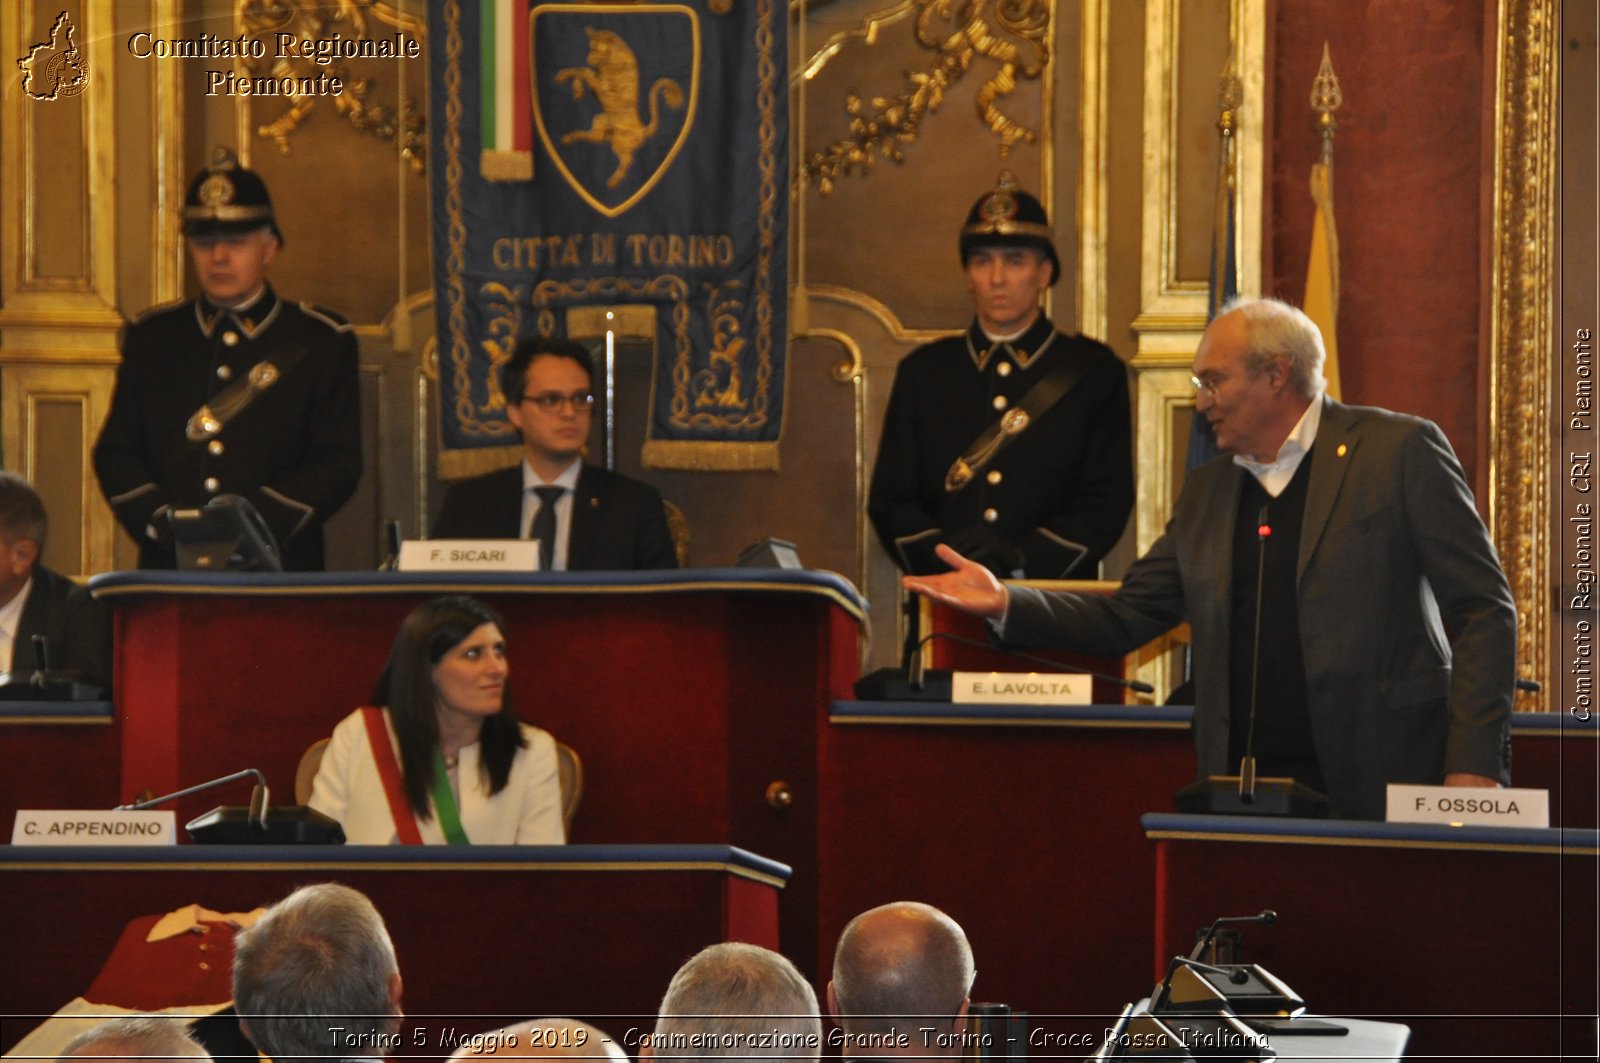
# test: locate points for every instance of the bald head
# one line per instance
(137, 1037)
(897, 962)
(543, 1039)
(738, 1001)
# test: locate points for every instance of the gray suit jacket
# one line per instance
(1392, 554)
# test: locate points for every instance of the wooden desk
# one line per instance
(484, 934)
(1022, 822)
(1482, 940)
(687, 694)
(58, 754)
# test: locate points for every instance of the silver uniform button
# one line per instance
(999, 402)
(215, 446)
(991, 515)
(994, 476)
(1004, 369)
(212, 483)
(223, 372)
(230, 339)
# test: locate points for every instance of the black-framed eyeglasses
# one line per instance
(552, 401)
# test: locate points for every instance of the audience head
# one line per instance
(543, 1039)
(416, 685)
(23, 525)
(136, 1037)
(737, 1001)
(898, 967)
(320, 958)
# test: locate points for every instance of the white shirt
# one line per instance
(10, 619)
(530, 508)
(1274, 476)
(349, 788)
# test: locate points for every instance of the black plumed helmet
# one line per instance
(225, 198)
(1009, 217)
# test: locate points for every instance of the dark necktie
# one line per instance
(543, 525)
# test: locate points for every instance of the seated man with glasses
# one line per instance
(585, 517)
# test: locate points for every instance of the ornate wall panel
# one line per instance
(1522, 287)
(58, 261)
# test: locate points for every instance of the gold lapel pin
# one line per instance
(1342, 451)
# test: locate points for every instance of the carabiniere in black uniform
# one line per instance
(963, 459)
(178, 434)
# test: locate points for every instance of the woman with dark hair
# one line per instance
(446, 761)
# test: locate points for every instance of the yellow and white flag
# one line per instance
(1322, 272)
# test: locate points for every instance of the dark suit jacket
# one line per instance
(617, 522)
(1391, 545)
(77, 629)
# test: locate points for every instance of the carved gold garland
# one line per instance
(318, 19)
(1013, 33)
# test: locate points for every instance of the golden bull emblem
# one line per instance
(629, 118)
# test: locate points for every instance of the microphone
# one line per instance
(1230, 795)
(41, 661)
(1161, 996)
(1266, 917)
(391, 546)
(1247, 766)
(258, 796)
(915, 671)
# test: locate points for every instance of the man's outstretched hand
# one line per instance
(968, 586)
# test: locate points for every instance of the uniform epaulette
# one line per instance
(327, 317)
(157, 309)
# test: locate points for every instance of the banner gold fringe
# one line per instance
(710, 456)
(459, 464)
(506, 165)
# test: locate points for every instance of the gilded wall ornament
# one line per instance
(314, 21)
(1012, 33)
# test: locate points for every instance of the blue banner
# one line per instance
(628, 157)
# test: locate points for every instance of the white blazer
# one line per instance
(527, 812)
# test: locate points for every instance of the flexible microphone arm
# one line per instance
(258, 796)
(914, 671)
(1163, 992)
(1266, 917)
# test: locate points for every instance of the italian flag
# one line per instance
(506, 131)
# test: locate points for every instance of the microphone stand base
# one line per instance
(1218, 795)
(894, 684)
(286, 825)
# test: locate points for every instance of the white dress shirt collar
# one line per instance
(10, 620)
(1274, 476)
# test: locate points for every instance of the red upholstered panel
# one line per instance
(685, 707)
(1476, 951)
(477, 948)
(53, 765)
(1028, 836)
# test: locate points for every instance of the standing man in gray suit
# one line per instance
(1372, 551)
